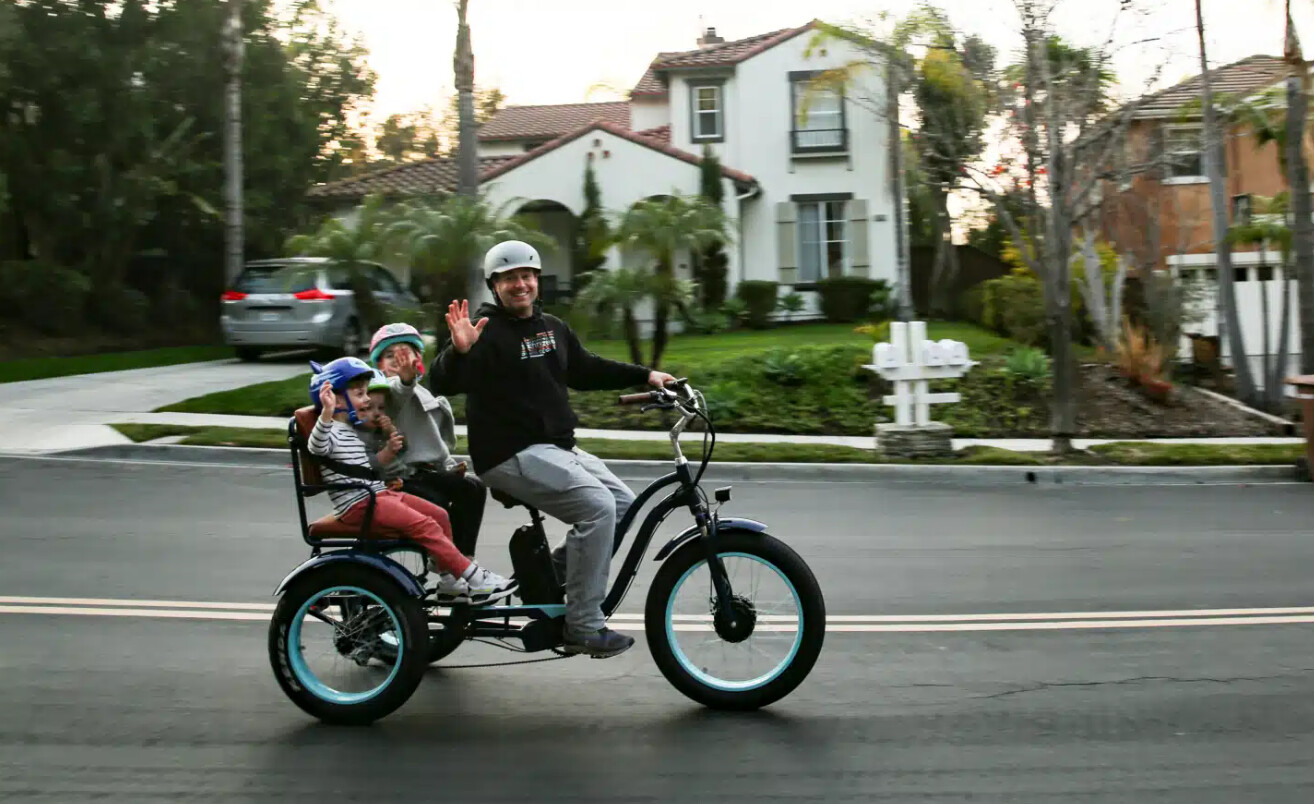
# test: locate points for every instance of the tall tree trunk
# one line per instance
(233, 234)
(632, 336)
(1215, 154)
(463, 67)
(898, 190)
(940, 265)
(466, 139)
(661, 308)
(1264, 363)
(1274, 387)
(1302, 227)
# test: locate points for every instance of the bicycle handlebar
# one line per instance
(634, 399)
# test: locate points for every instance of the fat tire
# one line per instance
(810, 600)
(414, 633)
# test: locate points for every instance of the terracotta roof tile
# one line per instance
(724, 54)
(1242, 77)
(537, 122)
(660, 134)
(412, 178)
(737, 176)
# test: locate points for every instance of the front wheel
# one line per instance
(347, 644)
(756, 653)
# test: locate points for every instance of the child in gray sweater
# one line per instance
(426, 467)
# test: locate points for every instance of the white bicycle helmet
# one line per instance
(509, 255)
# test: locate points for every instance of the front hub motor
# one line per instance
(736, 624)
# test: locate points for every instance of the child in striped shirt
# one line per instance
(342, 392)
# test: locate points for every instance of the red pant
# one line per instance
(418, 520)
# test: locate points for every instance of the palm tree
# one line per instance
(663, 227)
(618, 289)
(351, 245)
(442, 237)
(463, 68)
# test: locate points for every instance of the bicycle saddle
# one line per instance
(507, 500)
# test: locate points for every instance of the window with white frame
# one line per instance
(1184, 151)
(823, 240)
(708, 112)
(818, 115)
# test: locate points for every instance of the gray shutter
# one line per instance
(786, 245)
(859, 256)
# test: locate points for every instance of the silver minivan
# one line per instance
(302, 302)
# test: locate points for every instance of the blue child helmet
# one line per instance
(338, 373)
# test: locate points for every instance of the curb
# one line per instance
(922, 475)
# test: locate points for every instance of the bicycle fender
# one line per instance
(727, 525)
(391, 568)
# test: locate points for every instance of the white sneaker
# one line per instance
(486, 587)
(451, 589)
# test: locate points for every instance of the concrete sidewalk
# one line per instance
(69, 413)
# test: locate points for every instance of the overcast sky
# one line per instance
(563, 51)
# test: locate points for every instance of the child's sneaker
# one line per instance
(451, 589)
(486, 586)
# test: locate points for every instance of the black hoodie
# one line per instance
(515, 379)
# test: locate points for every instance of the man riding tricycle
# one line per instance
(734, 618)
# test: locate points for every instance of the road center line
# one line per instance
(839, 623)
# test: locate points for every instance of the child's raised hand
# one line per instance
(328, 401)
(406, 364)
(384, 423)
(396, 442)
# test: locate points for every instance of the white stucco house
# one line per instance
(810, 196)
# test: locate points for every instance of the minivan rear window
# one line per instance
(276, 279)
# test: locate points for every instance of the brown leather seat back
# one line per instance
(310, 474)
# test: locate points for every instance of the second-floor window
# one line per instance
(818, 116)
(1184, 152)
(708, 113)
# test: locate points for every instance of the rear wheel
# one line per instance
(248, 354)
(347, 644)
(756, 653)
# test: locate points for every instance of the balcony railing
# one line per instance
(819, 140)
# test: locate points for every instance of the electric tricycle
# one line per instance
(734, 618)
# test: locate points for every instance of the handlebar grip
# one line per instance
(634, 399)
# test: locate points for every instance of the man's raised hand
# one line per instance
(464, 333)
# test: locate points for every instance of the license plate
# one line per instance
(269, 316)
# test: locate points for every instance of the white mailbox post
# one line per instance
(911, 361)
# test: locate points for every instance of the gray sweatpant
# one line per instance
(578, 489)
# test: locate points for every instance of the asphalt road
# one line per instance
(933, 703)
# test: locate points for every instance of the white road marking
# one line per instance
(835, 623)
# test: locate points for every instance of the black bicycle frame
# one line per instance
(481, 619)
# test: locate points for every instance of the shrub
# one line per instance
(880, 304)
(972, 304)
(1028, 363)
(790, 304)
(119, 308)
(707, 322)
(1017, 307)
(734, 309)
(846, 298)
(48, 297)
(760, 299)
(877, 332)
(783, 368)
(175, 307)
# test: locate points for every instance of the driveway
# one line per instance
(72, 412)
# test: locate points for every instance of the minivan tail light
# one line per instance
(232, 295)
(314, 294)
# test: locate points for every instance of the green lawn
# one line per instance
(688, 355)
(1144, 453)
(38, 368)
(727, 345)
